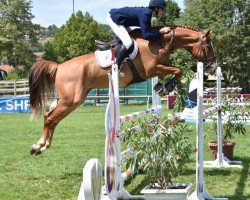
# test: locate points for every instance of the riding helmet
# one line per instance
(158, 3)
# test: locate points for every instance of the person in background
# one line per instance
(119, 19)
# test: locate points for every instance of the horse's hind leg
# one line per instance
(43, 143)
(51, 119)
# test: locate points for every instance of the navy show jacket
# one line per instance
(135, 16)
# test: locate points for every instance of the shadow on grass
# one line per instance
(136, 189)
(241, 192)
(68, 175)
(241, 184)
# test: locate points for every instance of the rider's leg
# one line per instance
(123, 53)
(123, 34)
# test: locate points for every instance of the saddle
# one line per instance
(102, 46)
(104, 57)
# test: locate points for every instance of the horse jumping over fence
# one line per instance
(73, 79)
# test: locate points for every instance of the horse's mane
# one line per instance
(155, 28)
(180, 26)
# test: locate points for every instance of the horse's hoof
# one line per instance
(32, 150)
(38, 153)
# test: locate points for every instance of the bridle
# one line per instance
(203, 48)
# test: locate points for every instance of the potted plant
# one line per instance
(233, 123)
(161, 152)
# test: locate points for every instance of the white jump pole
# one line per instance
(112, 167)
(200, 183)
(156, 99)
(219, 118)
(114, 178)
(221, 161)
(200, 193)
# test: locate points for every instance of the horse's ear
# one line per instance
(207, 33)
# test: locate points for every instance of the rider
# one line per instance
(122, 18)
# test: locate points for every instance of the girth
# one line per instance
(136, 76)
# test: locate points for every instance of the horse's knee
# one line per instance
(48, 121)
(178, 73)
(73, 104)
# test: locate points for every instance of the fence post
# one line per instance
(15, 88)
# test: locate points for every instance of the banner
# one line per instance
(14, 105)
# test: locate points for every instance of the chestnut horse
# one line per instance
(73, 79)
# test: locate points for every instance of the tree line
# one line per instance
(228, 20)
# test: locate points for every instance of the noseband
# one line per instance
(204, 48)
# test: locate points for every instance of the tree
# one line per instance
(172, 13)
(76, 38)
(51, 31)
(229, 20)
(17, 33)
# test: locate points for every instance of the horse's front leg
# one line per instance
(162, 70)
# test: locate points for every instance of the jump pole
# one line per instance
(91, 188)
(221, 160)
(114, 178)
(200, 193)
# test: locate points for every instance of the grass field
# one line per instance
(57, 174)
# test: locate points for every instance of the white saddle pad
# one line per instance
(104, 58)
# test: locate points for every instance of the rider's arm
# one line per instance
(145, 24)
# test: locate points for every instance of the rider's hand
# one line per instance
(165, 30)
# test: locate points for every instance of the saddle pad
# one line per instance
(104, 58)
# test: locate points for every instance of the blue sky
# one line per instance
(48, 12)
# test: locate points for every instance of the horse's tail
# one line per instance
(41, 83)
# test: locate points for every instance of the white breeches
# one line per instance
(120, 32)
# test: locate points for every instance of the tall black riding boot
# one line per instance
(121, 55)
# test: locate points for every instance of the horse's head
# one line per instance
(197, 43)
(203, 51)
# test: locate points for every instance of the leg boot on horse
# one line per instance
(170, 85)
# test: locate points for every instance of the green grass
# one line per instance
(57, 174)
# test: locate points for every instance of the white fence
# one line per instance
(20, 88)
(14, 88)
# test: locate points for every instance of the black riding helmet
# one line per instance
(158, 3)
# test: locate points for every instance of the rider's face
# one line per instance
(160, 13)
